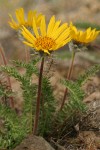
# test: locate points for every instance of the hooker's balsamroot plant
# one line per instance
(80, 39)
(49, 39)
(39, 115)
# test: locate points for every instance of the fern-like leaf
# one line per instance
(88, 74)
(28, 90)
(69, 116)
(48, 106)
(11, 71)
(12, 131)
(5, 91)
(75, 90)
(30, 67)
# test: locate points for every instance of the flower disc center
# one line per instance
(45, 43)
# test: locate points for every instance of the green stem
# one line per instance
(68, 78)
(38, 99)
(27, 54)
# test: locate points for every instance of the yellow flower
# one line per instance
(83, 36)
(20, 16)
(48, 38)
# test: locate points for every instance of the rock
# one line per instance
(34, 143)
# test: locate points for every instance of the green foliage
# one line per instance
(5, 91)
(48, 107)
(15, 127)
(12, 123)
(11, 71)
(29, 95)
(11, 132)
(76, 94)
(70, 115)
(86, 25)
(30, 67)
(89, 73)
(25, 80)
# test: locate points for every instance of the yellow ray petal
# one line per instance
(12, 23)
(38, 20)
(58, 46)
(27, 34)
(14, 26)
(83, 37)
(29, 44)
(12, 19)
(67, 41)
(20, 15)
(59, 31)
(30, 17)
(35, 30)
(93, 33)
(96, 34)
(88, 30)
(17, 16)
(56, 26)
(27, 37)
(46, 51)
(51, 25)
(43, 26)
(63, 36)
(74, 29)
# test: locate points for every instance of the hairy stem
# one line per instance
(68, 78)
(27, 54)
(38, 99)
(8, 78)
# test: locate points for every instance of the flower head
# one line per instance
(20, 16)
(48, 38)
(83, 36)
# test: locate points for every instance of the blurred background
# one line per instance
(66, 10)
